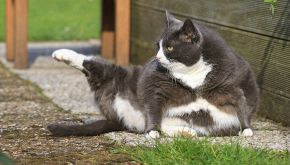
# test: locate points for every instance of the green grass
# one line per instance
(51, 20)
(4, 159)
(187, 152)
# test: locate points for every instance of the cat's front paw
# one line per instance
(178, 131)
(70, 57)
(246, 132)
(64, 55)
(152, 135)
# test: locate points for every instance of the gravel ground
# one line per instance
(69, 90)
(24, 115)
(267, 135)
(65, 86)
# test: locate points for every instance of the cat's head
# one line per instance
(180, 44)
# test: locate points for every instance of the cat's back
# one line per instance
(230, 70)
(153, 76)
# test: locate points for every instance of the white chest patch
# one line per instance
(192, 76)
(132, 119)
(221, 119)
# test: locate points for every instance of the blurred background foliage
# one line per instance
(54, 20)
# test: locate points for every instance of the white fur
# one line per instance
(132, 119)
(221, 119)
(161, 56)
(173, 121)
(246, 132)
(175, 126)
(152, 135)
(176, 131)
(70, 57)
(201, 130)
(192, 76)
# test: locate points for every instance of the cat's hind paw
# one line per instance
(178, 131)
(246, 132)
(152, 135)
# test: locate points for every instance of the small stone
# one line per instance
(12, 125)
(1, 130)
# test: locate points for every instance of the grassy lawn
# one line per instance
(60, 19)
(187, 152)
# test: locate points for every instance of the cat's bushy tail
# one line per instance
(88, 129)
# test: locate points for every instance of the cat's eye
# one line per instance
(169, 48)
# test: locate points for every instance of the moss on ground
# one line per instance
(25, 113)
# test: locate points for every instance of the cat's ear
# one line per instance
(188, 32)
(170, 19)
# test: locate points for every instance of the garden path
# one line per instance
(25, 112)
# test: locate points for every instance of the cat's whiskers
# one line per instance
(175, 81)
(172, 78)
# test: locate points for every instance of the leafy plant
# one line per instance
(272, 5)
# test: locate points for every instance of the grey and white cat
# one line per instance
(196, 85)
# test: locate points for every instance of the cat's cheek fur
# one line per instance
(132, 118)
(161, 56)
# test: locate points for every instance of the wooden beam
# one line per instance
(122, 32)
(21, 52)
(107, 49)
(10, 20)
(108, 26)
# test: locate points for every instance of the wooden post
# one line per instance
(122, 31)
(108, 26)
(21, 52)
(10, 20)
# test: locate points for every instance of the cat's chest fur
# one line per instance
(193, 76)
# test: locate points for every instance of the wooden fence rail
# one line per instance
(248, 26)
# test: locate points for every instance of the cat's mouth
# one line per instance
(167, 63)
(163, 64)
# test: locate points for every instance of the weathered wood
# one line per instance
(10, 20)
(122, 34)
(21, 52)
(247, 15)
(275, 51)
(275, 107)
(108, 41)
(263, 41)
(108, 27)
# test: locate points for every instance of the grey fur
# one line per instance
(230, 86)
